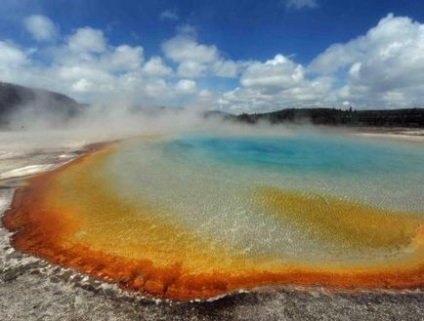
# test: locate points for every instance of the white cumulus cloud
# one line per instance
(183, 48)
(87, 40)
(384, 67)
(185, 86)
(279, 72)
(89, 68)
(195, 59)
(40, 27)
(170, 15)
(155, 67)
(11, 56)
(301, 4)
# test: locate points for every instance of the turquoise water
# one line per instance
(379, 172)
(383, 173)
(318, 153)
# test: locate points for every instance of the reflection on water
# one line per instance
(195, 217)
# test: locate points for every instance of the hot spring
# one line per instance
(194, 217)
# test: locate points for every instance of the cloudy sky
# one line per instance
(238, 56)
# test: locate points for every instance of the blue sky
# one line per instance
(234, 55)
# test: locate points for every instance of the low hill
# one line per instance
(18, 100)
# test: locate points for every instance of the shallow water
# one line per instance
(212, 184)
